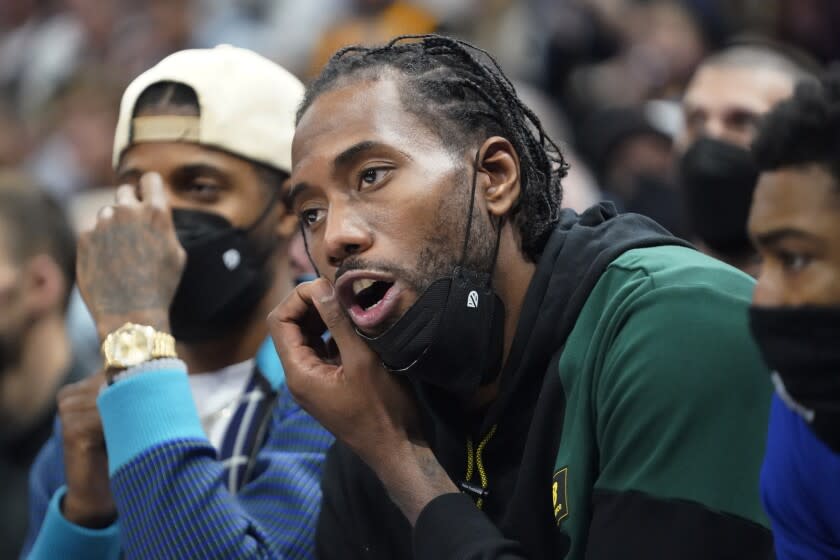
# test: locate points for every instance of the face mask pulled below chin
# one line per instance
(225, 277)
(802, 347)
(718, 180)
(453, 336)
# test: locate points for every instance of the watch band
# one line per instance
(163, 345)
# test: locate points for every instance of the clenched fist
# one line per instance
(88, 501)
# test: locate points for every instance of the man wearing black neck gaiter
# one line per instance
(795, 318)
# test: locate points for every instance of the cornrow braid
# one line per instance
(461, 92)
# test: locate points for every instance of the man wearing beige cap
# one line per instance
(179, 275)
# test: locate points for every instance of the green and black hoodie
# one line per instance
(631, 422)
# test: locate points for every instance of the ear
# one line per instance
(499, 163)
(44, 286)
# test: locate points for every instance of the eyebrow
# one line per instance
(189, 169)
(344, 159)
(773, 237)
(133, 172)
(199, 169)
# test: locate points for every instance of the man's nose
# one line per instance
(346, 234)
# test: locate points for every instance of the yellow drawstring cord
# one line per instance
(482, 474)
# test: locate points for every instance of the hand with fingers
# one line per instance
(88, 500)
(129, 265)
(354, 396)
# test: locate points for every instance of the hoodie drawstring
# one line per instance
(474, 460)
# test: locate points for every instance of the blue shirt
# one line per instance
(174, 496)
(800, 488)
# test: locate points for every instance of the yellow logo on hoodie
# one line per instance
(559, 487)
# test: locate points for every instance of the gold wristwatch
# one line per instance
(133, 344)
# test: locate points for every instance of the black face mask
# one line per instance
(452, 337)
(802, 345)
(225, 278)
(719, 179)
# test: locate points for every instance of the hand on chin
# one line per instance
(354, 397)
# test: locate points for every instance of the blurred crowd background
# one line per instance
(606, 77)
(597, 71)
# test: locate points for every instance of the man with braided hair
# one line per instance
(512, 380)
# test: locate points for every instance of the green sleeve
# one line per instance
(682, 397)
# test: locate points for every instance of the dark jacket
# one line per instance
(630, 423)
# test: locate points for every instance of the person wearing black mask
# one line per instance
(795, 317)
(37, 259)
(512, 379)
(723, 105)
(179, 275)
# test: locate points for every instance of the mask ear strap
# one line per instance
(306, 247)
(470, 215)
(499, 223)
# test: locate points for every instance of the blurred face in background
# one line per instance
(12, 314)
(726, 102)
(722, 108)
(795, 224)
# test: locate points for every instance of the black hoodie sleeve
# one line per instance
(358, 521)
(451, 527)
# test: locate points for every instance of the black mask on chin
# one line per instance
(452, 337)
(226, 275)
(802, 345)
(718, 180)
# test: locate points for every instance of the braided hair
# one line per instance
(462, 94)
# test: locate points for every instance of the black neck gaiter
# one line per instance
(802, 346)
(718, 180)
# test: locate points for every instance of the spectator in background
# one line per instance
(221, 463)
(37, 262)
(15, 141)
(633, 159)
(795, 224)
(723, 105)
(76, 155)
(375, 21)
(607, 53)
(285, 31)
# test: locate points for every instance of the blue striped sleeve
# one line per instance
(59, 538)
(173, 501)
(145, 411)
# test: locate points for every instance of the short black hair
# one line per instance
(161, 96)
(33, 223)
(803, 129)
(463, 95)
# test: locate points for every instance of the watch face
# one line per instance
(132, 346)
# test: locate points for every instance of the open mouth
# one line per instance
(369, 298)
(368, 293)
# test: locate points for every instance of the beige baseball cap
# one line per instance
(247, 105)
